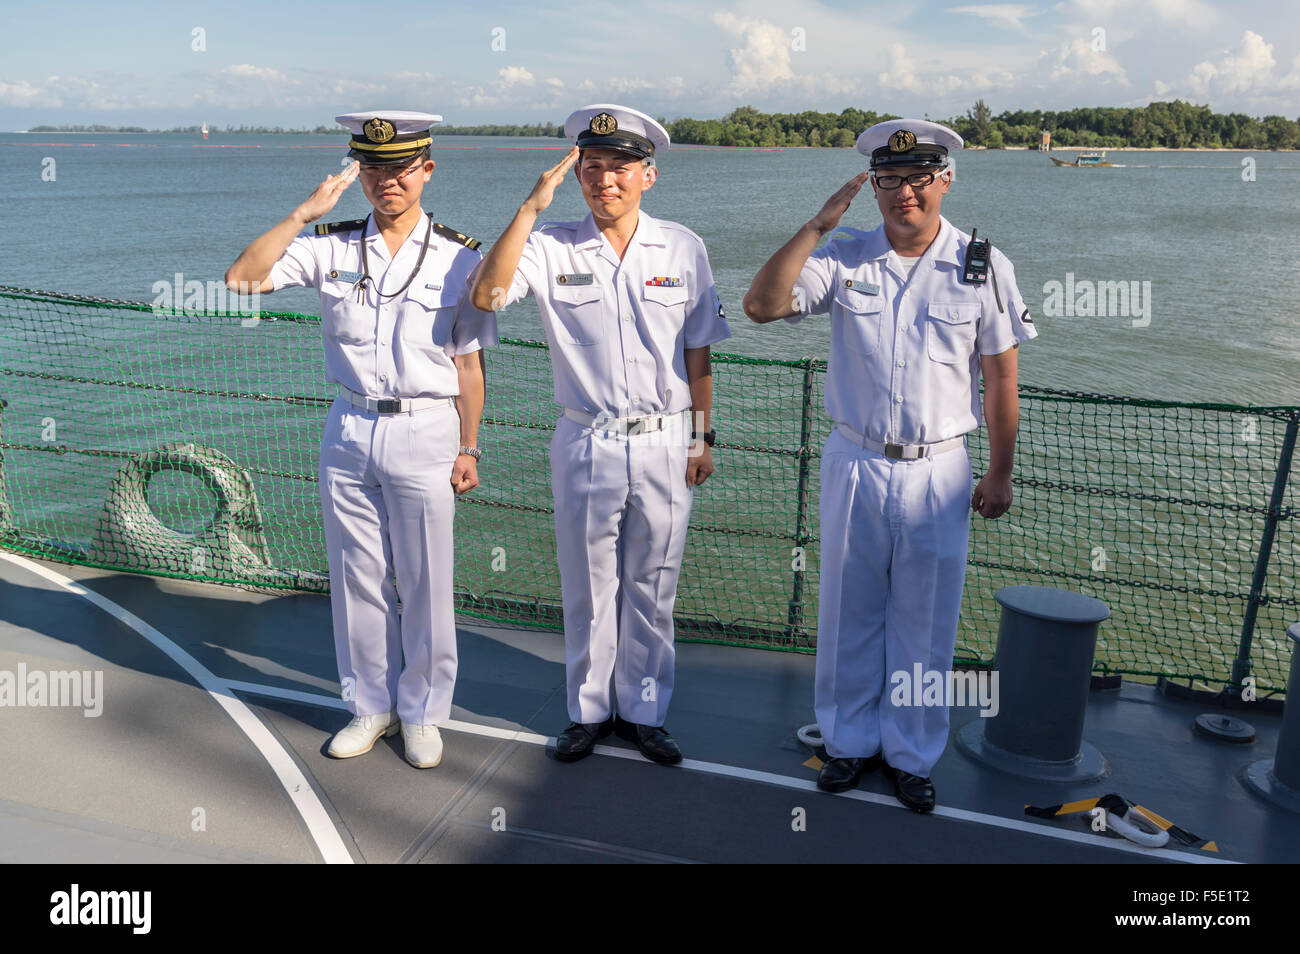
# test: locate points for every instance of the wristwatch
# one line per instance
(472, 452)
(709, 437)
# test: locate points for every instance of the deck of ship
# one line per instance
(218, 705)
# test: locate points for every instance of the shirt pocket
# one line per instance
(579, 313)
(426, 318)
(863, 318)
(950, 331)
(668, 299)
(343, 318)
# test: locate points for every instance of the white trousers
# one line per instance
(385, 485)
(893, 563)
(621, 510)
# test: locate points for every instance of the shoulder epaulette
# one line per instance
(329, 228)
(452, 235)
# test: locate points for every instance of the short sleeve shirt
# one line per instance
(904, 352)
(399, 347)
(617, 330)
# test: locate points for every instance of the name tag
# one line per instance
(433, 287)
(867, 288)
(583, 278)
(342, 276)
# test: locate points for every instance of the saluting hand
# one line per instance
(464, 474)
(838, 204)
(327, 194)
(544, 191)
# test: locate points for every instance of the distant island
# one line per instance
(1161, 125)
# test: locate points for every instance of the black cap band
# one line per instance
(924, 154)
(381, 145)
(620, 141)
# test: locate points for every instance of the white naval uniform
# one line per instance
(385, 479)
(904, 369)
(617, 332)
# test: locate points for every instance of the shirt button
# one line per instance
(384, 377)
(899, 399)
(902, 363)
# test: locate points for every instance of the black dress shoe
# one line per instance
(913, 791)
(579, 739)
(840, 775)
(654, 741)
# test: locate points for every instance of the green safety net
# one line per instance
(186, 445)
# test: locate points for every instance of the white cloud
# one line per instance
(516, 76)
(1246, 72)
(1076, 60)
(1010, 15)
(900, 76)
(1194, 14)
(255, 72)
(763, 60)
(23, 94)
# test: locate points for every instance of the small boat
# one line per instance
(1087, 158)
(204, 130)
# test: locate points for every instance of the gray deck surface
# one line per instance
(125, 786)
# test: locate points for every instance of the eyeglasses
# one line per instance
(917, 180)
(383, 173)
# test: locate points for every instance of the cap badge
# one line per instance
(379, 130)
(902, 141)
(602, 124)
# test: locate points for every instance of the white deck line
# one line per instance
(770, 778)
(296, 785)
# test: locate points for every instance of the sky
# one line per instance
(297, 65)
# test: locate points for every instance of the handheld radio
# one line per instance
(976, 269)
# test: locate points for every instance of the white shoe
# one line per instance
(423, 744)
(361, 733)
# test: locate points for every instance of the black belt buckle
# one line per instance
(894, 451)
(388, 405)
(636, 427)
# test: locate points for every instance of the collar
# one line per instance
(379, 247)
(876, 247)
(944, 246)
(648, 232)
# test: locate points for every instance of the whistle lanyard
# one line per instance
(360, 286)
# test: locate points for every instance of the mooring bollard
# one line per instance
(1278, 781)
(1046, 642)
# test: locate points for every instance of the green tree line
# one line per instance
(1161, 125)
(1172, 125)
